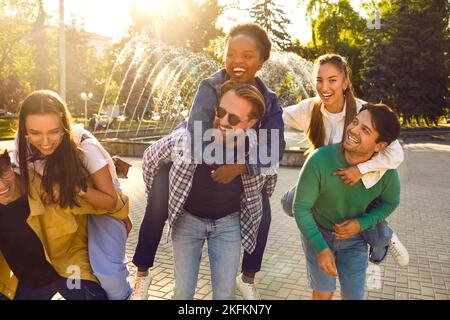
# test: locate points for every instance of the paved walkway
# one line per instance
(422, 222)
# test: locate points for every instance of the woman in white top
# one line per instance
(323, 119)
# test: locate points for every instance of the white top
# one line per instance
(92, 158)
(298, 116)
(95, 156)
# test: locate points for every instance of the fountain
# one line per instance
(154, 84)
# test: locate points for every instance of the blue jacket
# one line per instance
(207, 98)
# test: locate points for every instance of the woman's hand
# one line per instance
(227, 172)
(128, 224)
(349, 175)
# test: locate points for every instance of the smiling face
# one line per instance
(330, 86)
(242, 58)
(235, 107)
(8, 187)
(361, 136)
(9, 182)
(44, 132)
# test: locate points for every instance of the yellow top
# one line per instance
(63, 233)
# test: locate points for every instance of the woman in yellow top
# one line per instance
(76, 176)
(43, 250)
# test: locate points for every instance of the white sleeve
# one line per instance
(390, 158)
(15, 153)
(93, 158)
(298, 116)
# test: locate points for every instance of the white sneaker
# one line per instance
(248, 290)
(398, 251)
(141, 286)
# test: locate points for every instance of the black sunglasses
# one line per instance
(232, 118)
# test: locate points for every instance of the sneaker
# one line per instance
(248, 290)
(398, 251)
(141, 286)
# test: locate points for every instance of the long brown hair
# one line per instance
(64, 166)
(316, 130)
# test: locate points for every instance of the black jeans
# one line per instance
(88, 290)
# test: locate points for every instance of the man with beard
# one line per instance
(224, 213)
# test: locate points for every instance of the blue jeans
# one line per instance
(378, 237)
(351, 263)
(224, 244)
(89, 290)
(155, 217)
(107, 237)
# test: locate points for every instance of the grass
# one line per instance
(7, 125)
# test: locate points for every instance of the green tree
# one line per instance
(16, 22)
(376, 73)
(83, 67)
(11, 93)
(337, 27)
(16, 58)
(407, 60)
(43, 76)
(418, 56)
(273, 19)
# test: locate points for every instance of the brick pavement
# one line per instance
(422, 222)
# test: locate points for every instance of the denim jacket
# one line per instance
(207, 98)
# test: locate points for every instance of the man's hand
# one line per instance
(227, 172)
(350, 175)
(347, 229)
(326, 261)
(128, 224)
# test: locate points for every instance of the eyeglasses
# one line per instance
(51, 136)
(232, 118)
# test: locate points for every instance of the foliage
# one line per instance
(273, 19)
(407, 63)
(11, 93)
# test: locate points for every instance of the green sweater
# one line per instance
(325, 199)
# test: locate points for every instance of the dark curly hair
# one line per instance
(257, 33)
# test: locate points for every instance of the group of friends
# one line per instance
(64, 219)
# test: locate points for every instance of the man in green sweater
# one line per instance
(331, 214)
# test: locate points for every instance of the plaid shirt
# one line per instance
(173, 148)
